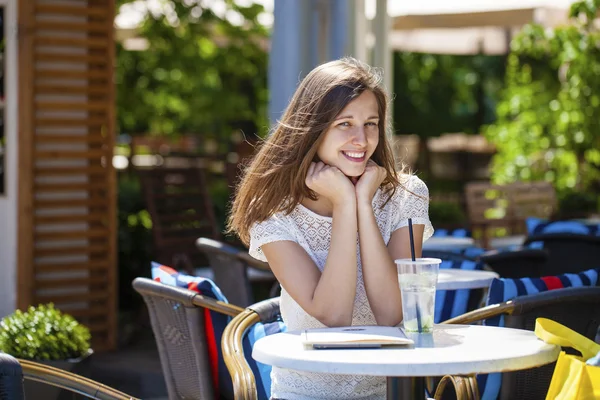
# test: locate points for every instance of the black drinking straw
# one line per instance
(412, 253)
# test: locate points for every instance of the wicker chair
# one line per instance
(244, 382)
(578, 308)
(568, 252)
(177, 318)
(234, 269)
(519, 263)
(12, 372)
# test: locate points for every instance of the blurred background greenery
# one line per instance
(206, 78)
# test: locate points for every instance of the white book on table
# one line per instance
(355, 337)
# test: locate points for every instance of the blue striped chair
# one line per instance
(451, 303)
(570, 299)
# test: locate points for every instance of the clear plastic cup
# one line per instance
(417, 280)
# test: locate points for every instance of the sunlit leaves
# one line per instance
(548, 115)
(201, 74)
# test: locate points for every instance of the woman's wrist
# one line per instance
(364, 202)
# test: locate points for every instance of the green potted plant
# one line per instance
(46, 335)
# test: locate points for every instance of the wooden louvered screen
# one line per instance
(67, 215)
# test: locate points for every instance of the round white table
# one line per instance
(455, 279)
(449, 350)
(448, 243)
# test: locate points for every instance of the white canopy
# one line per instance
(467, 26)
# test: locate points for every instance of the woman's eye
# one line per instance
(346, 123)
(371, 124)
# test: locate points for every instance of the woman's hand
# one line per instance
(329, 182)
(369, 182)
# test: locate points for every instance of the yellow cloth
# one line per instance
(572, 378)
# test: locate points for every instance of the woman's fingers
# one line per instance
(311, 169)
(319, 167)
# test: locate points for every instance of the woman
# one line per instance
(322, 202)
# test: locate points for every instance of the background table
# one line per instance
(448, 243)
(451, 349)
(507, 241)
(455, 279)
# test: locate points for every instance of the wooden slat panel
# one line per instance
(70, 42)
(71, 298)
(67, 171)
(71, 267)
(25, 277)
(71, 203)
(112, 180)
(46, 138)
(45, 88)
(54, 154)
(64, 106)
(70, 282)
(71, 10)
(70, 26)
(70, 122)
(67, 52)
(64, 74)
(73, 59)
(92, 233)
(57, 219)
(70, 250)
(69, 187)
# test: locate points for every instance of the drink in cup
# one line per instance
(417, 281)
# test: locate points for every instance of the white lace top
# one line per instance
(313, 233)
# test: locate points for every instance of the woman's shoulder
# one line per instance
(410, 184)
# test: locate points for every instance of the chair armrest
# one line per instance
(482, 313)
(69, 381)
(244, 383)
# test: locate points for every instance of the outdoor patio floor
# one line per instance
(134, 369)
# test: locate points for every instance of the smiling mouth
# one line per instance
(355, 156)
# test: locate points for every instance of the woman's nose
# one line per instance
(360, 136)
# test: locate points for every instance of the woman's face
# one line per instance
(353, 136)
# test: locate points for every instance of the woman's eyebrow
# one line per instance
(348, 116)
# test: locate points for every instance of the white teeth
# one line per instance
(355, 155)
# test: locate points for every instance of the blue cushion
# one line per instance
(218, 321)
(536, 226)
(505, 289)
(460, 232)
(452, 303)
(262, 372)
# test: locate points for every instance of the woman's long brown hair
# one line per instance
(275, 179)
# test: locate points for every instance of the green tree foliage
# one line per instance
(440, 93)
(200, 74)
(548, 126)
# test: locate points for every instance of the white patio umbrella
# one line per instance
(467, 26)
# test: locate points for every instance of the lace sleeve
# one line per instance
(272, 230)
(415, 206)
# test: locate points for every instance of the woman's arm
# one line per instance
(379, 270)
(328, 296)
